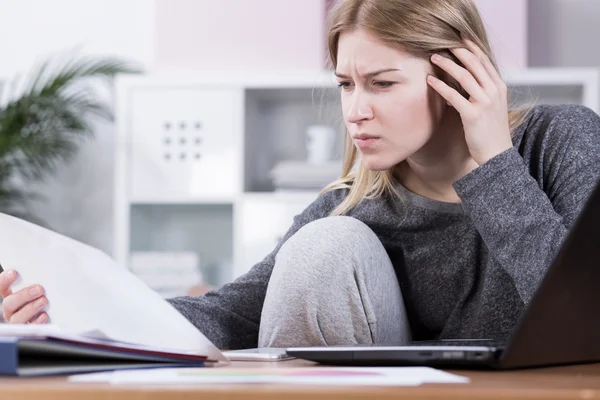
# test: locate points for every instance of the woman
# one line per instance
(450, 207)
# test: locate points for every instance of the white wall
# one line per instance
(564, 33)
(31, 29)
(509, 45)
(276, 34)
(240, 34)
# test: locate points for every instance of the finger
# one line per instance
(459, 73)
(487, 64)
(457, 100)
(6, 279)
(40, 319)
(19, 299)
(29, 311)
(475, 67)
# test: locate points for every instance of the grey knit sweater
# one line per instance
(466, 270)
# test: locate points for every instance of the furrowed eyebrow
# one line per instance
(370, 74)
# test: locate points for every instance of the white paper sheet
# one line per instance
(346, 376)
(28, 329)
(88, 291)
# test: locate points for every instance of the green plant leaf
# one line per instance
(43, 124)
(58, 74)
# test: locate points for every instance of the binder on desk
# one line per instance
(55, 353)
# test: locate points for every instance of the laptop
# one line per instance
(561, 324)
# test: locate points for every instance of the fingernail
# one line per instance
(34, 291)
(10, 274)
(39, 303)
(436, 57)
(432, 78)
(42, 318)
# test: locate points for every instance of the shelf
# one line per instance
(275, 124)
(223, 204)
(283, 195)
(551, 76)
(261, 220)
(206, 230)
(253, 80)
(557, 85)
(326, 79)
(183, 200)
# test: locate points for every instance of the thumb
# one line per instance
(6, 279)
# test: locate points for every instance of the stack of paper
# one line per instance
(297, 175)
(170, 274)
(344, 376)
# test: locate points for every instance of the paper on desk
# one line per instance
(28, 329)
(45, 330)
(88, 291)
(346, 376)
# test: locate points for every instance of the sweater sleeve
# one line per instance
(523, 221)
(230, 316)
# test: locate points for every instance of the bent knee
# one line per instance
(331, 233)
(327, 247)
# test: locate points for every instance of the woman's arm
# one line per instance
(230, 316)
(523, 221)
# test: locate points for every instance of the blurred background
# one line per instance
(225, 119)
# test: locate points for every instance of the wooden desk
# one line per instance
(573, 382)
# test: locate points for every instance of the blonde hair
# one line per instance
(419, 28)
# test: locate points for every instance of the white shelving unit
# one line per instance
(194, 154)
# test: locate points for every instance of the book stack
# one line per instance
(170, 274)
(299, 175)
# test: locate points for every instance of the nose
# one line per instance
(359, 108)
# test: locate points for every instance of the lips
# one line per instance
(365, 141)
(364, 136)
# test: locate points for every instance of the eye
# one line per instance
(344, 85)
(383, 84)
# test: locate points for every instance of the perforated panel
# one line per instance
(185, 143)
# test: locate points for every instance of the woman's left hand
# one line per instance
(485, 114)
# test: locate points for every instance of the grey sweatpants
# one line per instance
(333, 284)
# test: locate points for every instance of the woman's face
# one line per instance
(389, 109)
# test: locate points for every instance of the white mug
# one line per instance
(320, 140)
